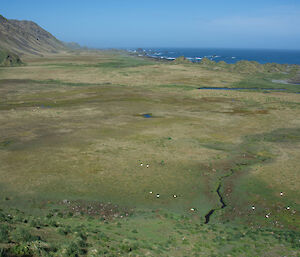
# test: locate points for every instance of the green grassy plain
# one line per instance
(73, 137)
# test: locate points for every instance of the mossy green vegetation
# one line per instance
(163, 234)
(182, 60)
(262, 82)
(127, 159)
(249, 67)
(120, 62)
(9, 59)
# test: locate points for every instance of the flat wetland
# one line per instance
(106, 154)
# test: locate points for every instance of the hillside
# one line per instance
(26, 37)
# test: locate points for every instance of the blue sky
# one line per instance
(165, 23)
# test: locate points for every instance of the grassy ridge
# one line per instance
(116, 63)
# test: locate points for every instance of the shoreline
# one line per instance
(229, 56)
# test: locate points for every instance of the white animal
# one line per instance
(157, 195)
(253, 207)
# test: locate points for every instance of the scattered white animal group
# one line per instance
(269, 214)
(158, 195)
(147, 165)
(192, 209)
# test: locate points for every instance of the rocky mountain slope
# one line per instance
(26, 37)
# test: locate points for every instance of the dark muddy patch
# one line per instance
(221, 146)
(15, 81)
(105, 211)
(283, 135)
(241, 88)
(218, 99)
(246, 112)
(5, 143)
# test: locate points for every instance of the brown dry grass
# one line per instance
(91, 141)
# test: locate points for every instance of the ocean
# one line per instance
(227, 55)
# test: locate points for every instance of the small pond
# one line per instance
(147, 115)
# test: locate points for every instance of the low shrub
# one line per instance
(71, 250)
(4, 236)
(19, 250)
(22, 235)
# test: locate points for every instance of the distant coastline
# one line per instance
(227, 55)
